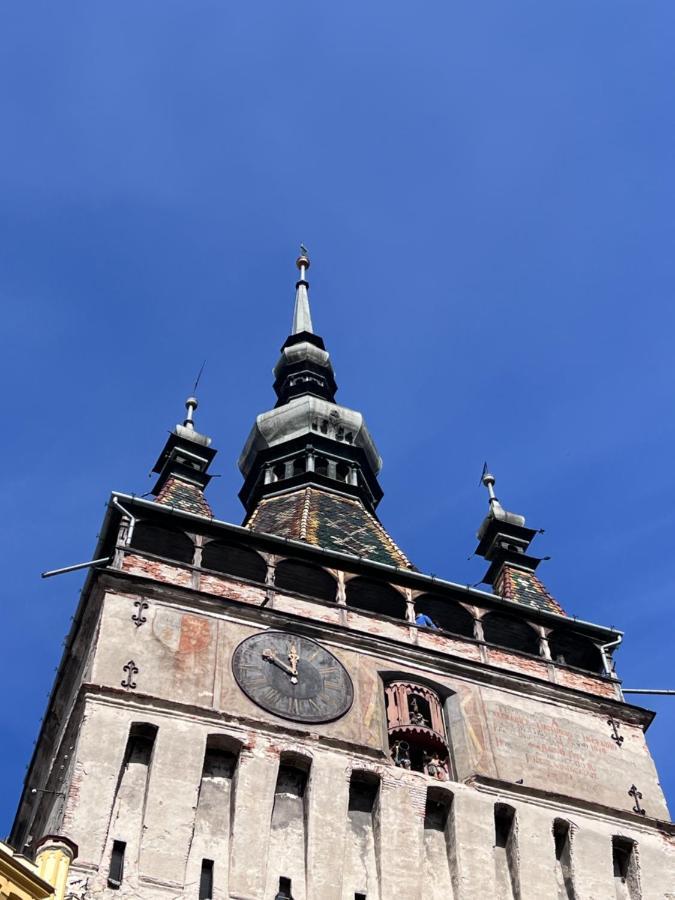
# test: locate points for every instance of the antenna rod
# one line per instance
(93, 562)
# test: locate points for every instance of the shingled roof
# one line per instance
(524, 588)
(184, 495)
(327, 520)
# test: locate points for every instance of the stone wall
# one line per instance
(415, 855)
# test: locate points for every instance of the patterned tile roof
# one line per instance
(327, 520)
(525, 588)
(184, 495)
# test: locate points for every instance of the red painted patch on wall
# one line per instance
(195, 634)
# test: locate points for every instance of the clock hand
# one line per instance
(293, 658)
(270, 657)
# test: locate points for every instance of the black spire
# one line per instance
(308, 438)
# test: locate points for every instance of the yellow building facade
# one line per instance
(45, 879)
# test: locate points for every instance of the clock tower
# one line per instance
(289, 708)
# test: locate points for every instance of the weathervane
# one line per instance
(302, 262)
(192, 403)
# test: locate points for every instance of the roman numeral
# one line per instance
(271, 695)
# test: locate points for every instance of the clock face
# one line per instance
(292, 677)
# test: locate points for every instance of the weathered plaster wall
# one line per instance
(171, 825)
(185, 657)
(504, 730)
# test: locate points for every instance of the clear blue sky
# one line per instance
(487, 190)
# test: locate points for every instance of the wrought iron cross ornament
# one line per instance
(131, 669)
(637, 796)
(138, 618)
(615, 736)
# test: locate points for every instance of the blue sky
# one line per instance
(487, 192)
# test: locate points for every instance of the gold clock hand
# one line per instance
(293, 658)
(269, 656)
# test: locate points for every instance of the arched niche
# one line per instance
(511, 632)
(233, 559)
(574, 649)
(416, 729)
(221, 756)
(305, 578)
(375, 596)
(447, 614)
(163, 540)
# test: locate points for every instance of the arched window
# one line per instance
(171, 543)
(417, 738)
(220, 756)
(447, 614)
(375, 596)
(234, 560)
(509, 631)
(293, 575)
(575, 650)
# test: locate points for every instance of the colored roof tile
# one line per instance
(184, 495)
(525, 588)
(327, 520)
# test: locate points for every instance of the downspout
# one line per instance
(605, 656)
(132, 520)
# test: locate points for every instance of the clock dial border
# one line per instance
(273, 675)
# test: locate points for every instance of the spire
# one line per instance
(182, 467)
(304, 367)
(302, 317)
(504, 540)
(312, 454)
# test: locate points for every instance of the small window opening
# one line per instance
(219, 763)
(363, 790)
(284, 892)
(504, 818)
(206, 880)
(291, 780)
(358, 896)
(562, 838)
(116, 871)
(626, 877)
(140, 743)
(437, 810)
(324, 426)
(506, 855)
(342, 472)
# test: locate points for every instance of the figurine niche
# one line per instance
(400, 754)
